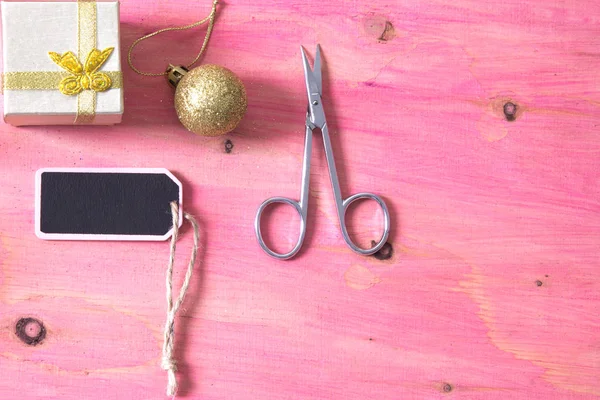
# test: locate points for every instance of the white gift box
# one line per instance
(34, 85)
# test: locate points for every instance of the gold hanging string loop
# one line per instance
(211, 22)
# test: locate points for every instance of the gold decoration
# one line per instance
(86, 107)
(47, 80)
(87, 27)
(83, 78)
(87, 36)
(210, 100)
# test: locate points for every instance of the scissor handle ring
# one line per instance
(386, 223)
(259, 237)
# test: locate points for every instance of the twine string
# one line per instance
(211, 22)
(168, 363)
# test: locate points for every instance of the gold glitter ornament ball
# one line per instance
(210, 100)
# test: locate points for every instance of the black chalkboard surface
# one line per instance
(105, 204)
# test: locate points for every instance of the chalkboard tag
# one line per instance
(105, 203)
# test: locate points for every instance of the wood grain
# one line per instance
(492, 288)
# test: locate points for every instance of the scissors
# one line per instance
(315, 118)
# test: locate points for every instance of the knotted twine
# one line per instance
(168, 363)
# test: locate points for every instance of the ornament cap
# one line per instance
(175, 73)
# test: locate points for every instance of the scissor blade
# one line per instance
(312, 85)
(317, 70)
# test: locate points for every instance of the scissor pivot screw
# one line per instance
(315, 102)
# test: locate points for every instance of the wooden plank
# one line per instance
(492, 288)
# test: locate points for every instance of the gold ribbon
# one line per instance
(86, 42)
(48, 80)
(53, 80)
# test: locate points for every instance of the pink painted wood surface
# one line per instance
(492, 289)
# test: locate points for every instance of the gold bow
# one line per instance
(83, 78)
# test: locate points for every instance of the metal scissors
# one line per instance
(315, 118)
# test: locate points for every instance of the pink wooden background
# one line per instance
(492, 291)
